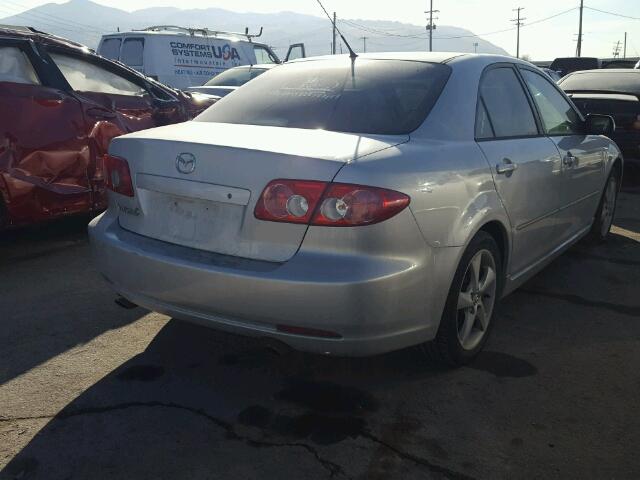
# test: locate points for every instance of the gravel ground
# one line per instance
(89, 390)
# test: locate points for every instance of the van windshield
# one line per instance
(385, 97)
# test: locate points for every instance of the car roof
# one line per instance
(479, 59)
(607, 70)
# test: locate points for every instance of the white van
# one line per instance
(186, 57)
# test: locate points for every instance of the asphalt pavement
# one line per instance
(89, 390)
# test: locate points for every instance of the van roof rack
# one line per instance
(205, 32)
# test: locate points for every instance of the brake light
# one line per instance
(118, 175)
(328, 204)
(292, 201)
(345, 205)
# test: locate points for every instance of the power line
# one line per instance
(424, 37)
(419, 37)
(613, 13)
(46, 17)
(49, 24)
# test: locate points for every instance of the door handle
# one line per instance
(507, 167)
(52, 100)
(569, 159)
(100, 113)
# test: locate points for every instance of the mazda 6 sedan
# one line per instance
(358, 206)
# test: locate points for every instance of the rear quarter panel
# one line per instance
(450, 185)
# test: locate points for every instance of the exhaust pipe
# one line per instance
(124, 303)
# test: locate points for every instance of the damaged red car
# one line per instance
(60, 106)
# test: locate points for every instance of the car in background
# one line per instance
(555, 76)
(61, 104)
(566, 65)
(614, 92)
(227, 81)
(354, 206)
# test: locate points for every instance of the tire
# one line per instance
(606, 209)
(469, 310)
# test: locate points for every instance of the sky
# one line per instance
(541, 40)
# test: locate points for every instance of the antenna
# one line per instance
(352, 54)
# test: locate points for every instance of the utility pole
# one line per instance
(579, 48)
(616, 49)
(624, 52)
(518, 22)
(364, 43)
(431, 27)
(475, 47)
(333, 49)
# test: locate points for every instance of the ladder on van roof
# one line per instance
(202, 31)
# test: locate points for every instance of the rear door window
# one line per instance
(132, 52)
(484, 129)
(15, 67)
(84, 76)
(506, 104)
(110, 48)
(558, 116)
(390, 97)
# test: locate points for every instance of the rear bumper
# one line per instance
(375, 304)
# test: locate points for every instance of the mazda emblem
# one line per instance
(186, 163)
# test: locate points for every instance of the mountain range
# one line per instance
(85, 21)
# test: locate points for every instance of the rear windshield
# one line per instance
(235, 77)
(601, 80)
(386, 97)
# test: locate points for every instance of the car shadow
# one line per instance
(193, 389)
(51, 298)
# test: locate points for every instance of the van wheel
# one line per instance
(471, 304)
(607, 209)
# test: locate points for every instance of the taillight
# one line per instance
(327, 204)
(117, 175)
(290, 201)
(345, 205)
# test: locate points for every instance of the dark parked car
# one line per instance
(567, 65)
(614, 92)
(60, 105)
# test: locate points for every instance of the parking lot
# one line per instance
(91, 390)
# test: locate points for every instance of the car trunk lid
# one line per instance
(625, 110)
(197, 183)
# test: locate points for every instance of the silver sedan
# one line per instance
(354, 207)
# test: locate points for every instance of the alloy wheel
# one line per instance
(608, 206)
(476, 299)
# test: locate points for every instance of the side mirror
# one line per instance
(600, 125)
(295, 51)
